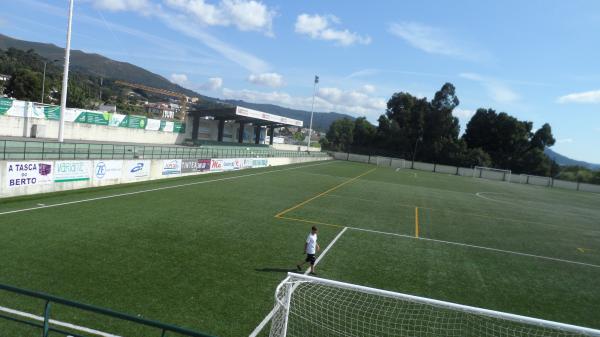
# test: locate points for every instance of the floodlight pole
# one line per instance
(65, 82)
(312, 110)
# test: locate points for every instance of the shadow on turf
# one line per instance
(277, 270)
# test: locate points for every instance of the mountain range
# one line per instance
(566, 161)
(101, 66)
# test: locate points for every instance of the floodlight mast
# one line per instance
(65, 81)
(312, 110)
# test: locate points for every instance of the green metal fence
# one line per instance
(34, 150)
(47, 327)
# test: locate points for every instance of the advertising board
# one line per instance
(260, 162)
(171, 166)
(72, 170)
(195, 165)
(137, 169)
(31, 173)
(107, 169)
(216, 165)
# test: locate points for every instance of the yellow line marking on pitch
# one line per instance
(417, 222)
(310, 221)
(583, 250)
(449, 210)
(323, 193)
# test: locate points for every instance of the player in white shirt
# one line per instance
(311, 247)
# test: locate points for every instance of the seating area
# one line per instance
(41, 150)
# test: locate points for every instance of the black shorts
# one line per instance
(311, 258)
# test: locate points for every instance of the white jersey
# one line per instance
(311, 243)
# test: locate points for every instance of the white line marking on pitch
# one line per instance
(477, 247)
(157, 189)
(267, 318)
(59, 323)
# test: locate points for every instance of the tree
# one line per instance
(364, 133)
(25, 85)
(510, 142)
(341, 134)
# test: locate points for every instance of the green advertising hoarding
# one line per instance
(5, 105)
(52, 112)
(179, 127)
(93, 117)
(17, 108)
(134, 122)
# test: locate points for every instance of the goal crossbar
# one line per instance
(294, 280)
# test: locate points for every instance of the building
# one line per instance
(107, 108)
(160, 110)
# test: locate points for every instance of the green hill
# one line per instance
(95, 65)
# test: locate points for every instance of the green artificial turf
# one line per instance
(209, 255)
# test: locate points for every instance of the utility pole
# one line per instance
(312, 110)
(44, 82)
(65, 81)
(100, 95)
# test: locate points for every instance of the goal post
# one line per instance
(310, 306)
(491, 173)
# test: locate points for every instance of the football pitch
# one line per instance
(206, 252)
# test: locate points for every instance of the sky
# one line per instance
(536, 60)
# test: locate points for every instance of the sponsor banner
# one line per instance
(107, 169)
(93, 117)
(229, 164)
(266, 116)
(137, 169)
(260, 162)
(116, 119)
(153, 124)
(23, 109)
(171, 166)
(216, 165)
(28, 173)
(76, 170)
(247, 163)
(52, 112)
(195, 165)
(5, 105)
(178, 127)
(166, 126)
(134, 122)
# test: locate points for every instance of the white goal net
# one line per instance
(491, 173)
(310, 306)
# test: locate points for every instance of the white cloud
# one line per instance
(496, 89)
(319, 27)
(183, 24)
(272, 80)
(180, 79)
(581, 97)
(246, 15)
(213, 84)
(327, 99)
(240, 57)
(564, 140)
(463, 114)
(434, 41)
(368, 88)
(122, 5)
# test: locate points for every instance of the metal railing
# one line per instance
(47, 325)
(40, 150)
